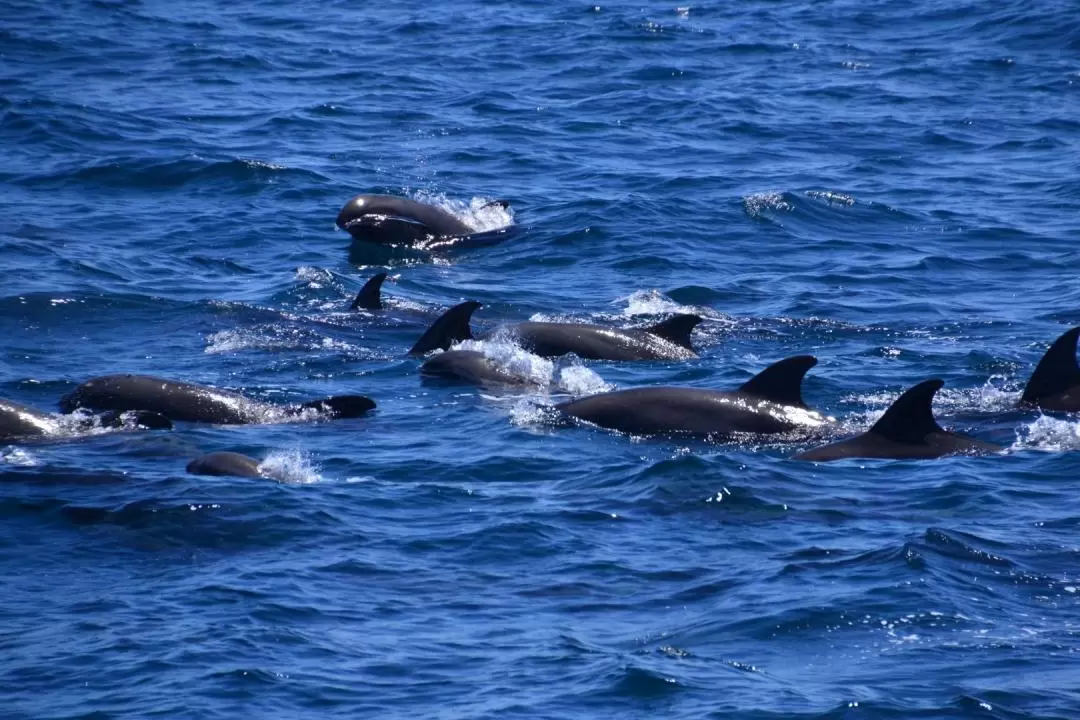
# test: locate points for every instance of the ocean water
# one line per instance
(891, 187)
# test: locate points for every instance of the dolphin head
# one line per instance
(357, 208)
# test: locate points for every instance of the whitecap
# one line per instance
(290, 466)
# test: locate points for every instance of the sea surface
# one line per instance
(891, 187)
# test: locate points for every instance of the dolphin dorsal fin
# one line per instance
(676, 329)
(370, 296)
(781, 382)
(910, 418)
(451, 327)
(1057, 370)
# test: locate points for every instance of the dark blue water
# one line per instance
(891, 187)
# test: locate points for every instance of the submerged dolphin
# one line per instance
(667, 340)
(471, 366)
(770, 402)
(393, 220)
(906, 430)
(18, 421)
(198, 403)
(1055, 384)
(370, 296)
(225, 463)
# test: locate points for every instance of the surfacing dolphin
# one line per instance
(225, 463)
(907, 430)
(393, 220)
(1055, 384)
(471, 366)
(189, 402)
(769, 403)
(667, 340)
(22, 422)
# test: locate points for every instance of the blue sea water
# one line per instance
(892, 187)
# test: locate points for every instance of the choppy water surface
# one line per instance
(890, 187)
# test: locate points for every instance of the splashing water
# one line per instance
(1048, 434)
(290, 466)
(481, 214)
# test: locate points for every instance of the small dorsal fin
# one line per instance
(910, 418)
(1056, 372)
(370, 296)
(781, 382)
(677, 329)
(451, 327)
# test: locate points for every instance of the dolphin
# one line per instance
(471, 366)
(392, 220)
(18, 422)
(1055, 384)
(770, 402)
(907, 430)
(225, 463)
(198, 403)
(370, 296)
(667, 340)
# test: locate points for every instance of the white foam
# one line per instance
(650, 302)
(989, 397)
(18, 456)
(290, 466)
(1048, 434)
(580, 380)
(272, 338)
(832, 197)
(758, 203)
(314, 276)
(520, 363)
(479, 213)
(654, 302)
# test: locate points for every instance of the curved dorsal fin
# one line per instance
(910, 418)
(370, 296)
(1056, 372)
(451, 327)
(676, 329)
(781, 382)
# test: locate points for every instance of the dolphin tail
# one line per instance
(370, 297)
(451, 327)
(910, 418)
(341, 406)
(677, 329)
(1057, 370)
(781, 382)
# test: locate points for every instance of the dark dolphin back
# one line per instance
(225, 463)
(781, 382)
(1056, 372)
(174, 399)
(370, 296)
(451, 327)
(341, 406)
(911, 418)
